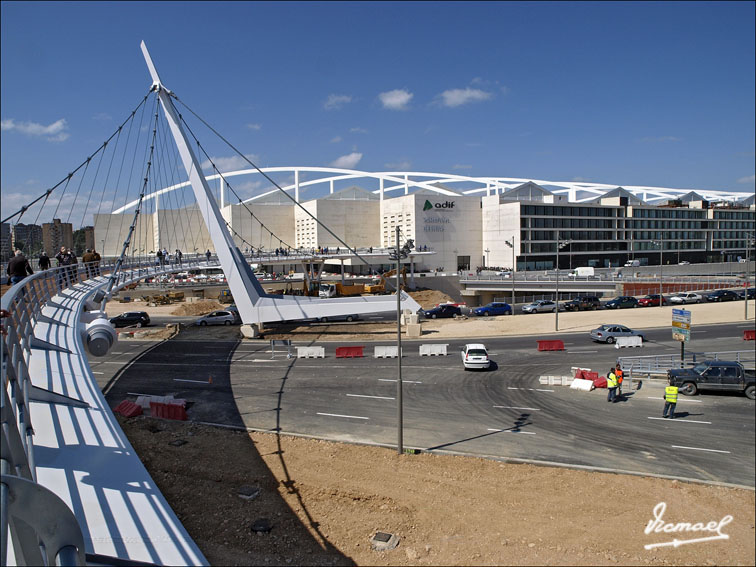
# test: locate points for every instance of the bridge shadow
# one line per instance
(202, 487)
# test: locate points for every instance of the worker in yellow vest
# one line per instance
(670, 400)
(611, 385)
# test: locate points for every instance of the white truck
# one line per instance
(583, 272)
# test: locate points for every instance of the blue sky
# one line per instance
(624, 93)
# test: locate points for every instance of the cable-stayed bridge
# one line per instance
(73, 489)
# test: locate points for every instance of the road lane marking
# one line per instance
(403, 381)
(699, 449)
(692, 401)
(515, 407)
(193, 381)
(680, 420)
(339, 415)
(374, 397)
(93, 372)
(512, 431)
(580, 351)
(529, 389)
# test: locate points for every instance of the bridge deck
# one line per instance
(84, 457)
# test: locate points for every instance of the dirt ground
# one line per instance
(325, 500)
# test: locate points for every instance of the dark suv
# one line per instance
(131, 318)
(583, 303)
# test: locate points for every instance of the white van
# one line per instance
(632, 263)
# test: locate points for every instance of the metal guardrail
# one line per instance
(659, 364)
(41, 527)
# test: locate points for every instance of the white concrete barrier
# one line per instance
(433, 350)
(386, 351)
(567, 380)
(623, 342)
(310, 352)
(582, 385)
(554, 380)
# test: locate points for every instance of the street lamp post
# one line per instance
(400, 253)
(660, 244)
(514, 267)
(486, 261)
(749, 243)
(560, 245)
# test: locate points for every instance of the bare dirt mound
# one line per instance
(197, 308)
(429, 297)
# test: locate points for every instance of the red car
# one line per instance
(651, 300)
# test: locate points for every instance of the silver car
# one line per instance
(610, 333)
(217, 318)
(542, 306)
(686, 297)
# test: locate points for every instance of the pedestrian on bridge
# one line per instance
(670, 400)
(611, 385)
(19, 268)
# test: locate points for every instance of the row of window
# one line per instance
(669, 213)
(550, 222)
(560, 211)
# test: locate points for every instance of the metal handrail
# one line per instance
(22, 307)
(659, 364)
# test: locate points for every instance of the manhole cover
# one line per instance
(383, 541)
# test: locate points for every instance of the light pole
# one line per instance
(660, 244)
(750, 240)
(486, 261)
(397, 255)
(560, 244)
(514, 267)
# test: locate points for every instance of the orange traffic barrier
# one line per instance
(550, 345)
(168, 411)
(128, 409)
(349, 352)
(749, 335)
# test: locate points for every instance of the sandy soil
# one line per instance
(326, 500)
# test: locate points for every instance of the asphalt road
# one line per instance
(504, 412)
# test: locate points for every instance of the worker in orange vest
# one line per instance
(618, 372)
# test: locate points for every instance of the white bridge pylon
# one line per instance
(255, 306)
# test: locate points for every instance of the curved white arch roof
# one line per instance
(392, 181)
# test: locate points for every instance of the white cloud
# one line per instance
(398, 99)
(335, 139)
(348, 161)
(579, 179)
(358, 130)
(747, 179)
(336, 102)
(254, 126)
(55, 132)
(229, 163)
(402, 165)
(102, 117)
(457, 97)
(461, 166)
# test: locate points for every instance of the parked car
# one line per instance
(441, 311)
(494, 308)
(715, 375)
(751, 293)
(622, 302)
(332, 318)
(131, 319)
(722, 295)
(686, 297)
(541, 306)
(683, 263)
(475, 356)
(651, 300)
(217, 318)
(583, 303)
(610, 333)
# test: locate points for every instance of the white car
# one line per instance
(217, 318)
(475, 355)
(685, 297)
